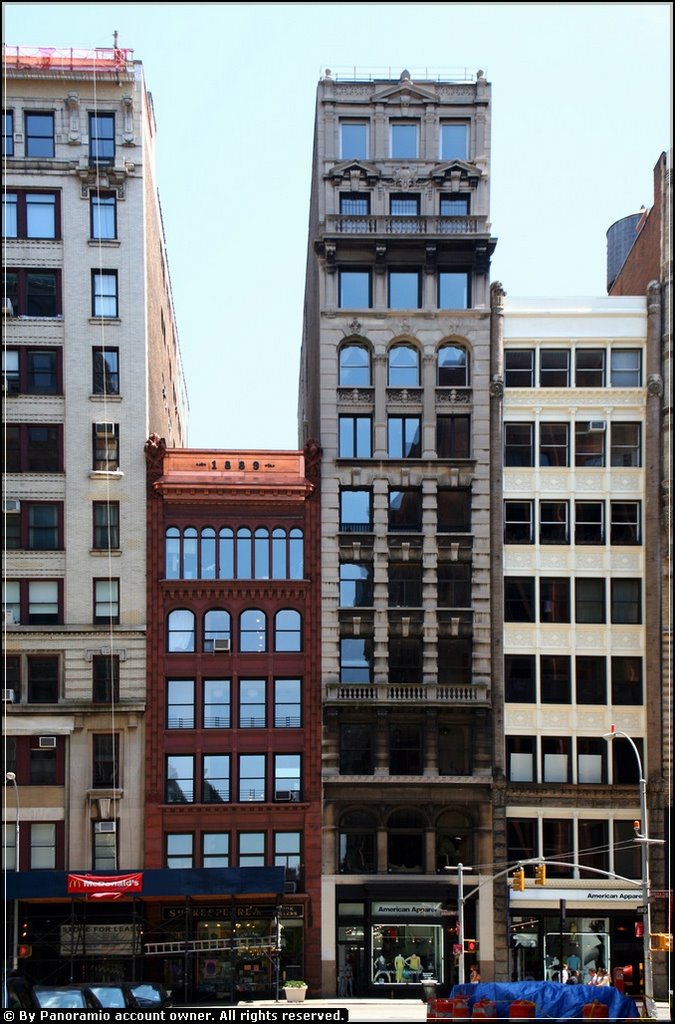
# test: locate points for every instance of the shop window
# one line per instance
(215, 778)
(357, 843)
(356, 748)
(354, 371)
(519, 368)
(180, 631)
(591, 679)
(405, 750)
(252, 770)
(217, 703)
(180, 779)
(554, 444)
(179, 850)
(405, 842)
(520, 678)
(521, 758)
(287, 703)
(404, 953)
(519, 444)
(252, 704)
(627, 681)
(405, 510)
(180, 704)
(556, 680)
(105, 672)
(453, 367)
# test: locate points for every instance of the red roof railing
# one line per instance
(51, 58)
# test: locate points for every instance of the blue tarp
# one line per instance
(553, 1000)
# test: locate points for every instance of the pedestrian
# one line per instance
(603, 977)
(592, 976)
(474, 976)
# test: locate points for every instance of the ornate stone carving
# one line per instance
(73, 108)
(404, 177)
(155, 448)
(655, 385)
(497, 386)
(128, 129)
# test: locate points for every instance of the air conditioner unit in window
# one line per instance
(597, 426)
(284, 794)
(11, 505)
(47, 742)
(8, 696)
(105, 826)
(222, 644)
(104, 429)
(290, 886)
(7, 307)
(8, 615)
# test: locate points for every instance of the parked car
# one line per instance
(64, 997)
(112, 995)
(149, 993)
(17, 992)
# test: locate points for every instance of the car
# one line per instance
(17, 992)
(112, 995)
(149, 993)
(64, 997)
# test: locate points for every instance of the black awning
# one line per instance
(46, 885)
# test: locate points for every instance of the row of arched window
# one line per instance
(403, 366)
(242, 554)
(216, 632)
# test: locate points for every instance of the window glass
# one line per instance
(217, 626)
(627, 601)
(253, 631)
(43, 680)
(453, 290)
(180, 704)
(356, 749)
(103, 216)
(252, 703)
(287, 630)
(453, 437)
(180, 785)
(404, 289)
(287, 703)
(405, 585)
(454, 585)
(356, 660)
(354, 289)
(626, 367)
(354, 211)
(107, 601)
(520, 678)
(589, 368)
(179, 850)
(402, 209)
(106, 371)
(403, 365)
(354, 437)
(625, 446)
(106, 525)
(454, 141)
(104, 293)
(553, 522)
(404, 437)
(355, 511)
(252, 777)
(251, 849)
(354, 366)
(8, 133)
(589, 444)
(356, 585)
(454, 510)
(41, 294)
(554, 444)
(215, 778)
(405, 750)
(216, 703)
(554, 368)
(43, 527)
(102, 138)
(43, 602)
(589, 525)
(625, 522)
(181, 631)
(39, 135)
(519, 368)
(554, 599)
(405, 510)
(519, 599)
(42, 846)
(591, 766)
(521, 758)
(453, 367)
(215, 849)
(591, 679)
(353, 140)
(627, 680)
(589, 600)
(287, 776)
(519, 444)
(556, 760)
(453, 206)
(403, 141)
(556, 679)
(41, 367)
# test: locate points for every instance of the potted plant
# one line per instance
(295, 991)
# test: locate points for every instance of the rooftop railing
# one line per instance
(421, 74)
(50, 58)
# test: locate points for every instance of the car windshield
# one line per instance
(64, 998)
(108, 996)
(146, 993)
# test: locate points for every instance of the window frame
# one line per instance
(105, 532)
(404, 284)
(105, 370)
(22, 287)
(31, 137)
(355, 434)
(359, 279)
(105, 447)
(100, 201)
(102, 145)
(400, 148)
(23, 197)
(100, 599)
(100, 297)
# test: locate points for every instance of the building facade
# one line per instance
(395, 375)
(233, 726)
(90, 366)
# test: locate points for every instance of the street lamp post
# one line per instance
(460, 869)
(11, 777)
(642, 838)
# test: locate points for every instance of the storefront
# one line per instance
(388, 945)
(582, 930)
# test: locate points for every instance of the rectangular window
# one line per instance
(626, 601)
(627, 681)
(454, 141)
(454, 585)
(625, 522)
(104, 845)
(180, 704)
(44, 525)
(179, 850)
(554, 444)
(589, 600)
(521, 758)
(453, 290)
(217, 703)
(453, 205)
(44, 602)
(625, 765)
(30, 214)
(106, 371)
(591, 679)
(105, 670)
(252, 704)
(354, 289)
(101, 138)
(287, 703)
(556, 759)
(356, 585)
(354, 211)
(454, 661)
(404, 214)
(589, 526)
(106, 447)
(554, 599)
(43, 680)
(404, 439)
(626, 368)
(354, 140)
(591, 763)
(104, 294)
(356, 749)
(554, 368)
(405, 290)
(43, 371)
(215, 778)
(405, 511)
(520, 678)
(354, 437)
(42, 846)
(554, 522)
(107, 601)
(556, 679)
(405, 750)
(454, 510)
(33, 293)
(39, 134)
(287, 852)
(453, 437)
(180, 779)
(625, 448)
(626, 851)
(405, 585)
(519, 444)
(215, 849)
(356, 660)
(8, 133)
(287, 777)
(252, 778)
(251, 849)
(519, 599)
(106, 525)
(105, 761)
(589, 366)
(589, 444)
(518, 524)
(404, 144)
(521, 838)
(355, 511)
(519, 368)
(103, 215)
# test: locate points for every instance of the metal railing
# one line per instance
(349, 224)
(421, 74)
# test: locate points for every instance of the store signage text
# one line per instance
(406, 909)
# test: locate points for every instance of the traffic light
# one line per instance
(518, 880)
(24, 950)
(470, 946)
(661, 942)
(540, 874)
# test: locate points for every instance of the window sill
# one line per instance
(105, 398)
(104, 243)
(114, 320)
(106, 474)
(104, 552)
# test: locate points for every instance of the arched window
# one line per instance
(287, 630)
(354, 367)
(172, 553)
(296, 555)
(217, 626)
(405, 842)
(453, 367)
(189, 554)
(253, 631)
(207, 554)
(225, 554)
(357, 852)
(244, 554)
(262, 553)
(404, 367)
(180, 631)
(279, 570)
(454, 840)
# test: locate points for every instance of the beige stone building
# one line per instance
(91, 367)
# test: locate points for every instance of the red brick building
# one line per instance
(233, 723)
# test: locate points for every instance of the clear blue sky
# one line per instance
(581, 114)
